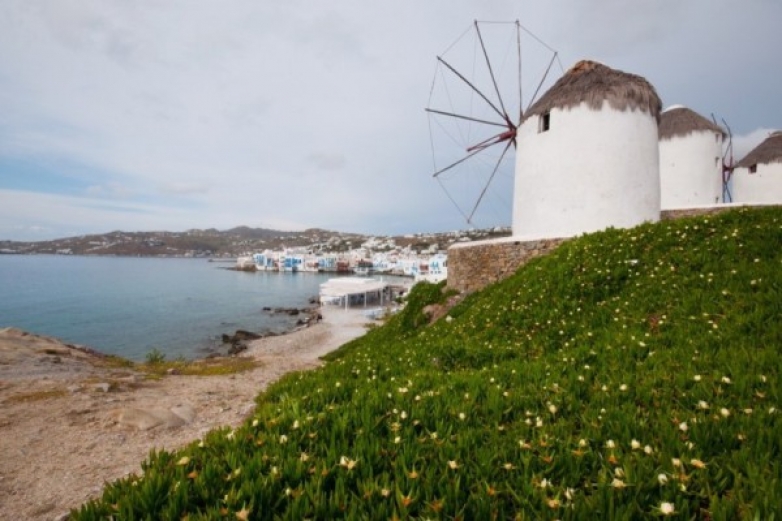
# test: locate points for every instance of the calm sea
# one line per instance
(128, 306)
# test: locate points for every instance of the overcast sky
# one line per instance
(180, 114)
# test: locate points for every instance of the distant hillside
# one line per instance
(631, 374)
(240, 240)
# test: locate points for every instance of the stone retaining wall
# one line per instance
(473, 266)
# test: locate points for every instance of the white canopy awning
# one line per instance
(345, 287)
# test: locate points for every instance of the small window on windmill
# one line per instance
(753, 169)
(544, 122)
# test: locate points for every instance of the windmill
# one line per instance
(728, 163)
(483, 84)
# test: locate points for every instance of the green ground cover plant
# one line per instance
(631, 374)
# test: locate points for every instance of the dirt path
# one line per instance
(60, 439)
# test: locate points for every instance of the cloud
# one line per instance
(744, 144)
(326, 161)
(309, 115)
(110, 191)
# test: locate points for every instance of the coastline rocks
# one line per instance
(240, 336)
(145, 419)
(239, 341)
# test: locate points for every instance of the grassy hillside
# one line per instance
(630, 375)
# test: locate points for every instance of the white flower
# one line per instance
(683, 426)
(582, 443)
(697, 378)
(702, 405)
(648, 449)
(618, 483)
(619, 472)
(662, 479)
(462, 416)
(398, 440)
(453, 465)
(635, 444)
(698, 464)
(552, 408)
(544, 483)
(623, 387)
(348, 463)
(610, 444)
(295, 425)
(283, 439)
(726, 380)
(724, 412)
(667, 509)
(403, 415)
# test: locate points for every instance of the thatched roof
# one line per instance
(593, 83)
(678, 121)
(769, 151)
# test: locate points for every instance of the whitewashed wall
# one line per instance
(691, 170)
(764, 186)
(590, 170)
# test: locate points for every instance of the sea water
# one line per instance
(128, 306)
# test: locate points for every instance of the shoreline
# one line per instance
(67, 425)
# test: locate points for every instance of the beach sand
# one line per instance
(68, 426)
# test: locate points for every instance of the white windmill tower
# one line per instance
(757, 178)
(691, 159)
(588, 157)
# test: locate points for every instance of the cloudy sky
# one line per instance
(179, 114)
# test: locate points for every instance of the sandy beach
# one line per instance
(68, 426)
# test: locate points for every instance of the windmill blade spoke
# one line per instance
(468, 118)
(542, 80)
(473, 87)
(448, 194)
(491, 177)
(470, 98)
(462, 160)
(491, 73)
(499, 138)
(518, 57)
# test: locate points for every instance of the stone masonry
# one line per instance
(473, 266)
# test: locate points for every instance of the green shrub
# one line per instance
(155, 357)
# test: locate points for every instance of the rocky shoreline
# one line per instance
(72, 419)
(239, 341)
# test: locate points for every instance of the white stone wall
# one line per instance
(764, 186)
(590, 170)
(691, 170)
